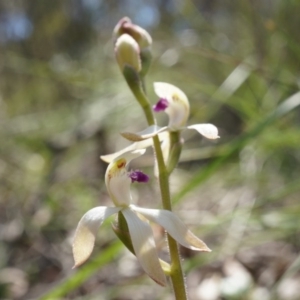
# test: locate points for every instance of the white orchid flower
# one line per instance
(175, 103)
(118, 181)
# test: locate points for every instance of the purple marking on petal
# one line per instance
(138, 176)
(161, 105)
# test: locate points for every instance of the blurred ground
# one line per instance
(63, 103)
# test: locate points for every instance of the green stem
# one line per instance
(177, 276)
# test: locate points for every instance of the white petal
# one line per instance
(110, 157)
(135, 146)
(174, 226)
(145, 134)
(119, 189)
(86, 232)
(130, 155)
(208, 130)
(144, 246)
(138, 145)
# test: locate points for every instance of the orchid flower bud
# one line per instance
(141, 36)
(128, 53)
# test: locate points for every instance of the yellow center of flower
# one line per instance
(117, 167)
(121, 163)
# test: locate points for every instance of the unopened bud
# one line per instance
(141, 36)
(128, 53)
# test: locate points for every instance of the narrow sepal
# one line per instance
(122, 232)
(144, 246)
(86, 231)
(210, 131)
(149, 132)
(135, 146)
(174, 226)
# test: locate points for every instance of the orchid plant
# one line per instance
(133, 54)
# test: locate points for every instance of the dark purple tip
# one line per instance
(161, 105)
(138, 176)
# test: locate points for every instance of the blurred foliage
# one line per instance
(63, 102)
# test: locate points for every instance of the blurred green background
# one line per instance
(63, 103)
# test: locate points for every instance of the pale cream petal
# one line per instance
(145, 134)
(119, 189)
(130, 155)
(110, 157)
(174, 226)
(208, 130)
(144, 246)
(86, 232)
(137, 145)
